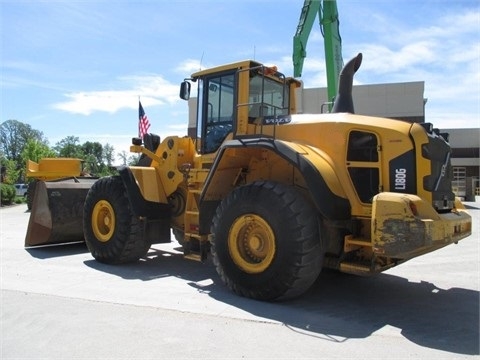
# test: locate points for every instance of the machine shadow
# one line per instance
(440, 319)
(338, 307)
(157, 264)
(57, 250)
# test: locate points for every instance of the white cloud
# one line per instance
(381, 59)
(189, 66)
(151, 89)
(85, 103)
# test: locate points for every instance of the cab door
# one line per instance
(216, 111)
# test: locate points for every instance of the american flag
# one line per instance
(143, 123)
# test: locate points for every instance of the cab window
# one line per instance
(267, 97)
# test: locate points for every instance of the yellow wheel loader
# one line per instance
(275, 196)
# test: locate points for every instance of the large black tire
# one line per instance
(112, 233)
(266, 243)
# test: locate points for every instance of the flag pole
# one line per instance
(138, 124)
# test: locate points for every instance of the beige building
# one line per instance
(466, 162)
(402, 101)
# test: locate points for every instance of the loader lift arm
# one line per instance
(329, 25)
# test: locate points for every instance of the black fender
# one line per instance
(329, 205)
(140, 206)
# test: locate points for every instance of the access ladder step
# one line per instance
(194, 256)
(355, 268)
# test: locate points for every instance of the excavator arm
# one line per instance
(329, 25)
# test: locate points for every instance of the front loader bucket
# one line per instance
(57, 211)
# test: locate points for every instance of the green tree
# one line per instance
(97, 158)
(35, 150)
(133, 159)
(13, 137)
(92, 153)
(108, 154)
(123, 155)
(69, 147)
(95, 149)
(91, 166)
(127, 159)
(10, 170)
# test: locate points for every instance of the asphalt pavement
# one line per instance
(58, 303)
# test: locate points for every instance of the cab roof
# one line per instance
(244, 64)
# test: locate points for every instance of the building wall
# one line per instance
(403, 101)
(465, 145)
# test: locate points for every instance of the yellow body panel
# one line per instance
(148, 180)
(163, 177)
(405, 226)
(54, 168)
(330, 144)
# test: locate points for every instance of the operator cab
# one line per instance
(232, 96)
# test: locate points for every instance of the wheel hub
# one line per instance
(251, 243)
(103, 221)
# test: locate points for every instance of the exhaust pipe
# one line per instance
(344, 101)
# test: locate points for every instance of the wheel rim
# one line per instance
(251, 243)
(103, 221)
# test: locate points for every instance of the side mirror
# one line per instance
(185, 90)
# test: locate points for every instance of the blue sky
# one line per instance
(79, 67)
